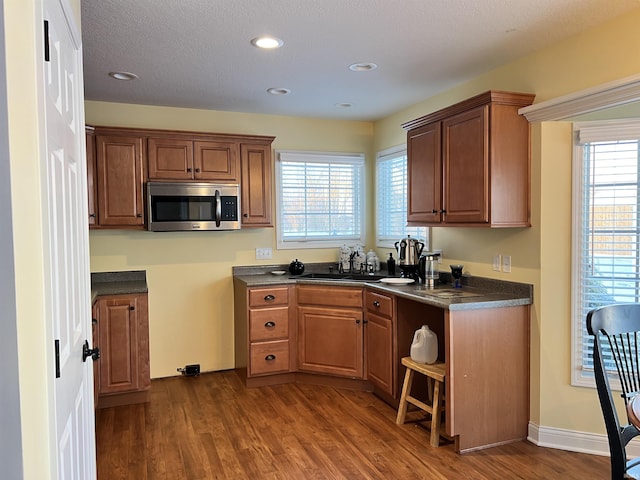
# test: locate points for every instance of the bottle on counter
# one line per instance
(391, 265)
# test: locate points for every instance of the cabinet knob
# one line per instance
(376, 303)
(245, 215)
(434, 211)
(188, 169)
(270, 357)
(443, 211)
(269, 298)
(358, 322)
(139, 215)
(92, 215)
(132, 308)
(270, 324)
(197, 170)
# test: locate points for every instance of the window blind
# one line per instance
(391, 199)
(320, 198)
(608, 265)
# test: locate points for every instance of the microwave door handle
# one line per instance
(218, 208)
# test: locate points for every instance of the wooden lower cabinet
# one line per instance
(330, 330)
(123, 339)
(379, 341)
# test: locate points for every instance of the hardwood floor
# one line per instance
(212, 427)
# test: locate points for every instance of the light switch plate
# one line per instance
(263, 253)
(506, 263)
(497, 261)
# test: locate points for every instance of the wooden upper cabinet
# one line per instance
(92, 181)
(469, 163)
(216, 161)
(120, 180)
(255, 186)
(180, 159)
(424, 184)
(170, 159)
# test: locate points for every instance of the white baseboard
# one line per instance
(582, 442)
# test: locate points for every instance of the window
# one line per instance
(606, 230)
(391, 199)
(320, 198)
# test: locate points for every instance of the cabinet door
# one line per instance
(256, 185)
(466, 166)
(119, 164)
(91, 176)
(330, 341)
(424, 189)
(124, 344)
(216, 161)
(379, 341)
(170, 159)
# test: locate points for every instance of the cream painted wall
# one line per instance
(541, 254)
(189, 274)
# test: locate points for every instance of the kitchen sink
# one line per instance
(357, 277)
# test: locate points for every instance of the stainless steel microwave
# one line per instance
(192, 206)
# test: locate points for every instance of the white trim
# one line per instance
(574, 441)
(610, 94)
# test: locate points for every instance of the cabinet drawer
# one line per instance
(269, 357)
(265, 297)
(269, 323)
(378, 303)
(330, 296)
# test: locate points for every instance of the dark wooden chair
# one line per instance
(616, 332)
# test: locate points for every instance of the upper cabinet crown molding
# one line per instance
(612, 94)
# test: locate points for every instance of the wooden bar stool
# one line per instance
(434, 372)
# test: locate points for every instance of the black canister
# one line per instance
(296, 267)
(391, 265)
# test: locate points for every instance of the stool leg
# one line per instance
(406, 390)
(435, 415)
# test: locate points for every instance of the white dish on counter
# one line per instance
(398, 281)
(278, 272)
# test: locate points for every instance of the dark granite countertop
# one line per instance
(476, 292)
(118, 283)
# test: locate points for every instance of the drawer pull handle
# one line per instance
(270, 357)
(270, 324)
(376, 303)
(269, 298)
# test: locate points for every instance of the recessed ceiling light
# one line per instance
(267, 42)
(362, 67)
(279, 91)
(123, 75)
(344, 105)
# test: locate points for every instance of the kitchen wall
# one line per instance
(541, 255)
(189, 273)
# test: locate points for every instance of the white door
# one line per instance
(66, 234)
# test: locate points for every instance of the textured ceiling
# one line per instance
(196, 53)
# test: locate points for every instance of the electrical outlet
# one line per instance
(506, 263)
(263, 253)
(497, 261)
(438, 250)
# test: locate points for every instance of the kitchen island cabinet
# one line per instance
(468, 164)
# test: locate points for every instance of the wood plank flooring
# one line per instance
(212, 427)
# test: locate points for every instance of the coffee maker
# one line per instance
(409, 251)
(428, 269)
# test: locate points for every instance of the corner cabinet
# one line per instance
(469, 164)
(330, 330)
(123, 338)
